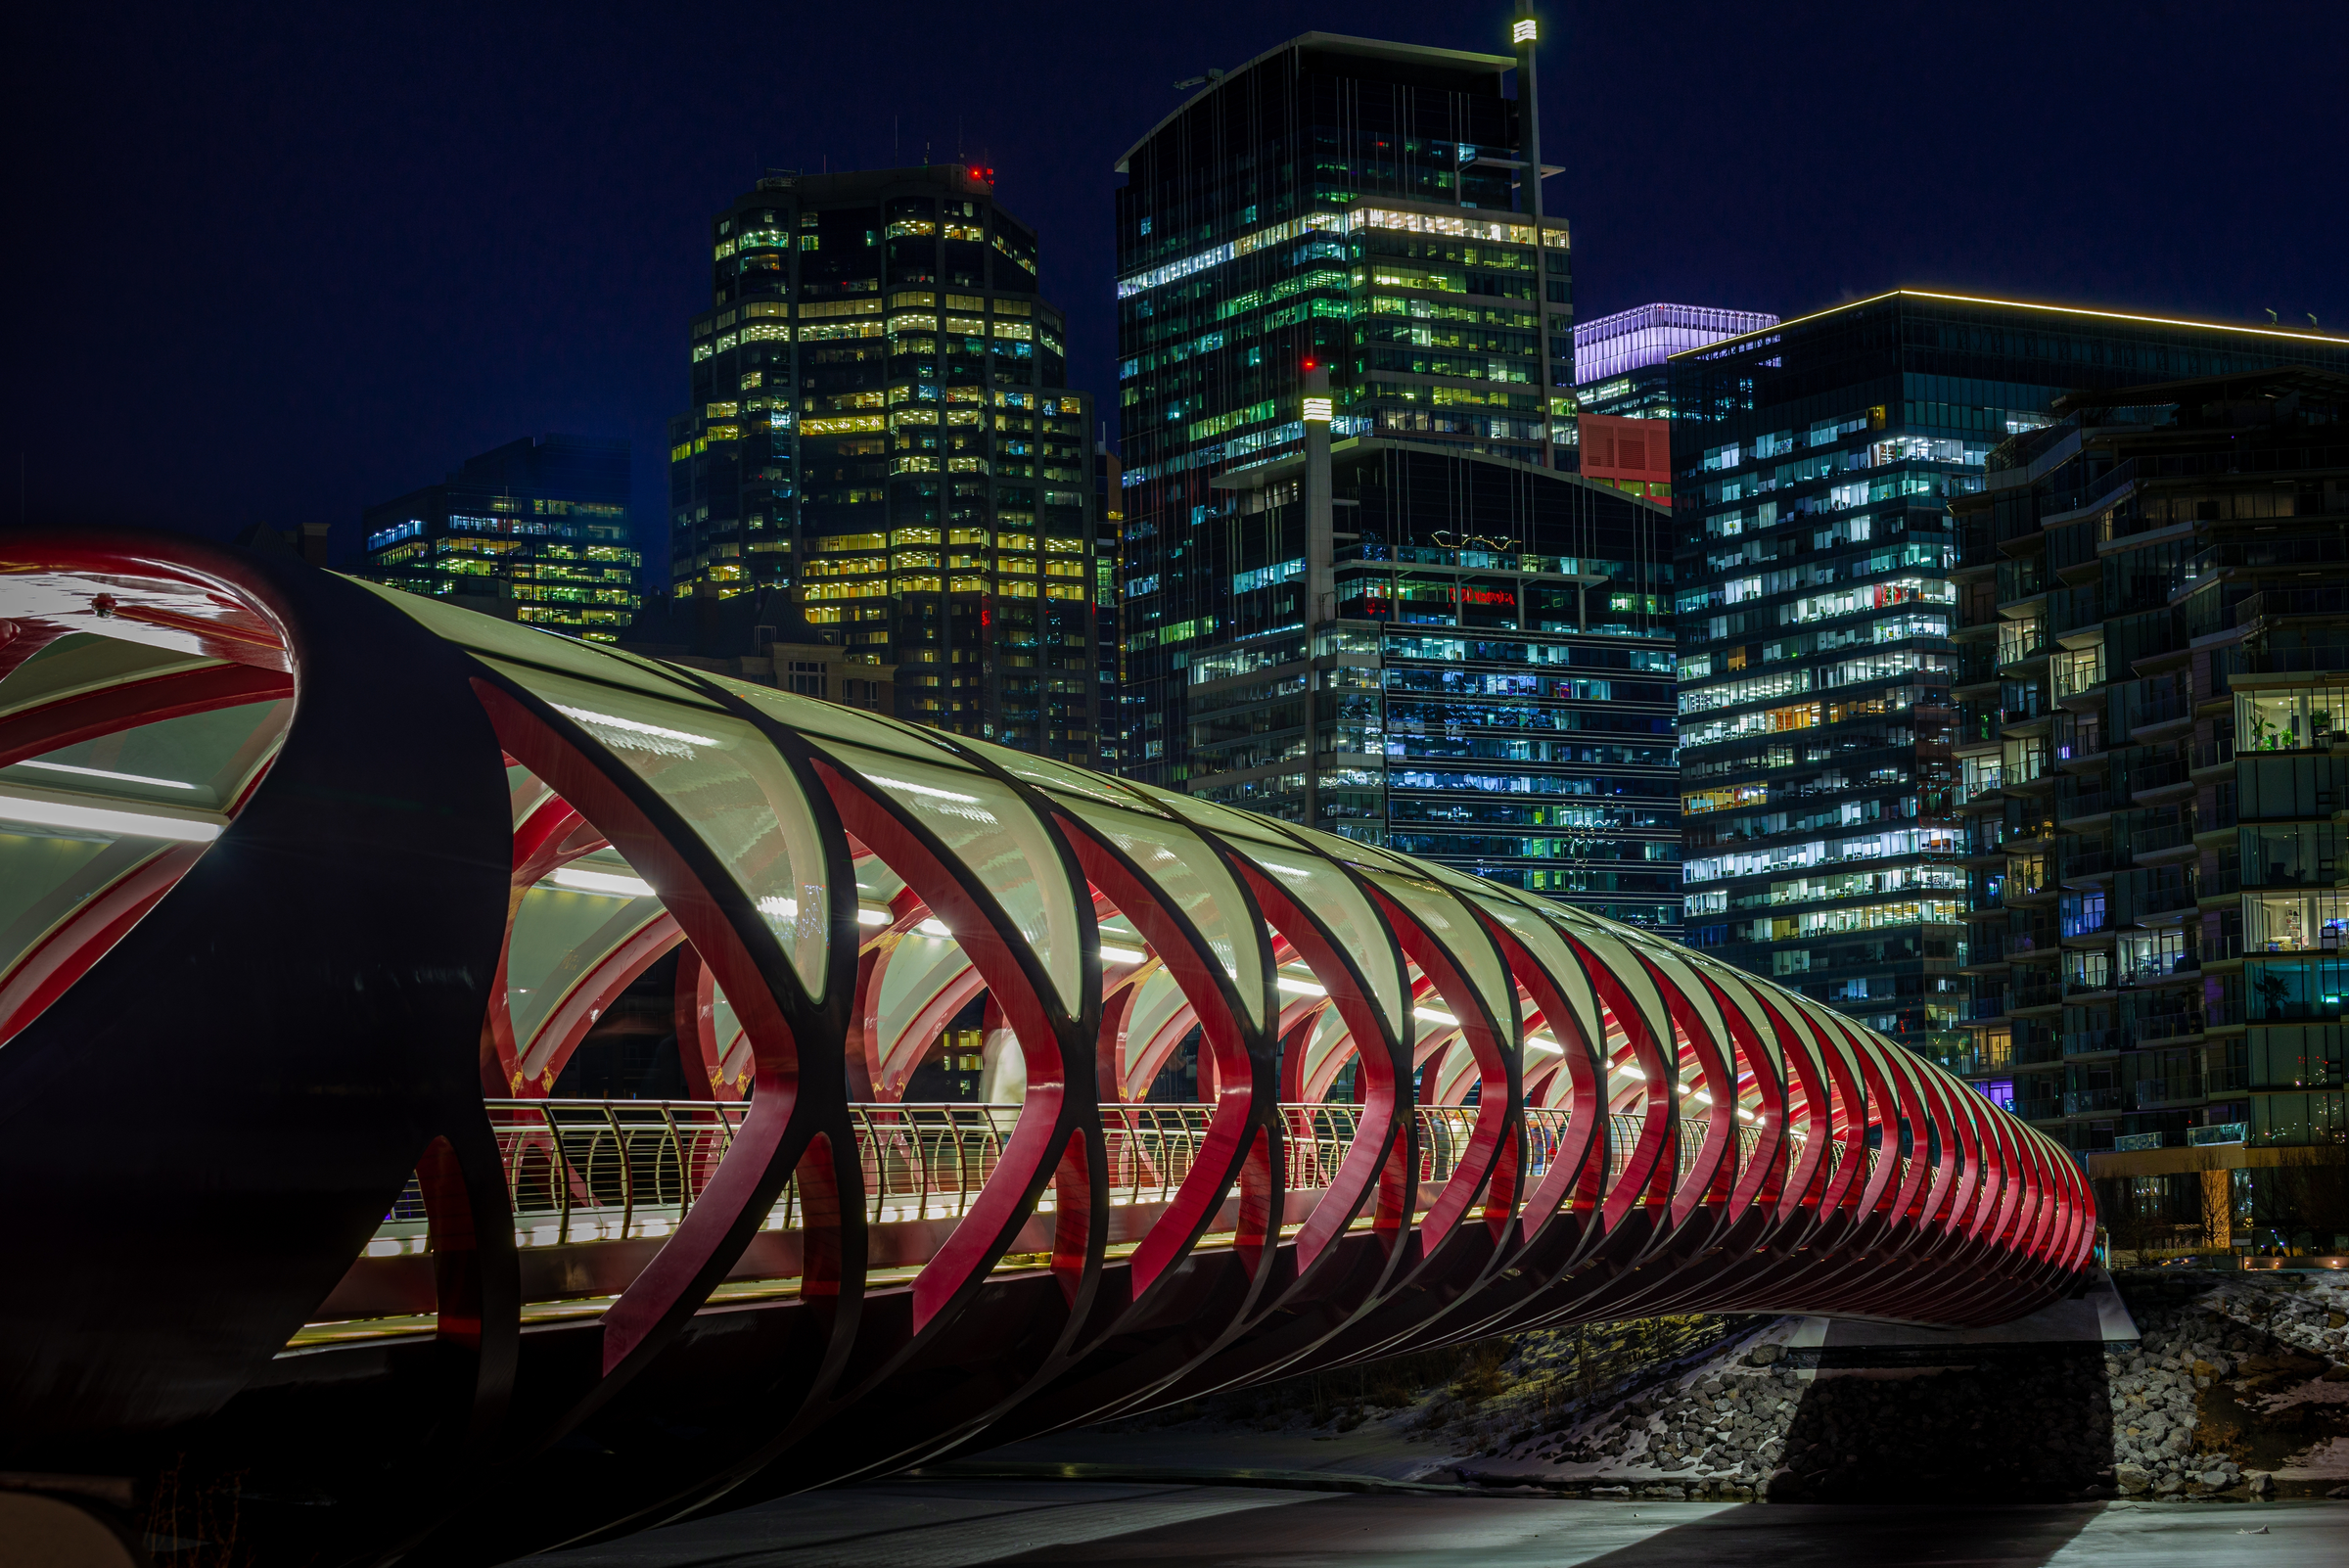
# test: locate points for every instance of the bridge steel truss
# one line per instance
(295, 1197)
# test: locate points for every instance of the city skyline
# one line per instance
(507, 258)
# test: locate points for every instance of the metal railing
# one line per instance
(593, 1171)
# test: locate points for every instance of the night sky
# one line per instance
(271, 267)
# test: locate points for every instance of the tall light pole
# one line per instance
(1524, 34)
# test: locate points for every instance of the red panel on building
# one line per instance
(1630, 454)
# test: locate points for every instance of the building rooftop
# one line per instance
(1465, 61)
(2091, 312)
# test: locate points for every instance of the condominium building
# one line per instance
(2154, 665)
(880, 424)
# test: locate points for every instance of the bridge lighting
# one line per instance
(1744, 1114)
(100, 772)
(1627, 1069)
(921, 789)
(1702, 1098)
(934, 927)
(603, 882)
(1301, 988)
(1543, 1042)
(1121, 955)
(1428, 1015)
(872, 918)
(101, 819)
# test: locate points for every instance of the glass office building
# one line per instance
(1814, 464)
(881, 425)
(1492, 689)
(1339, 205)
(2153, 658)
(536, 530)
(1619, 359)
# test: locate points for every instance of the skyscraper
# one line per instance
(881, 424)
(536, 530)
(1360, 594)
(1336, 203)
(1814, 465)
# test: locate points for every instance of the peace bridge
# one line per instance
(313, 891)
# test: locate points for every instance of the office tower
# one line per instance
(2154, 673)
(1109, 594)
(1339, 205)
(881, 425)
(1814, 462)
(1619, 360)
(1490, 686)
(536, 530)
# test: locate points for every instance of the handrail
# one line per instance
(595, 1171)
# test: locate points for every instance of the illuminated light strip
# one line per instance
(603, 882)
(1301, 988)
(923, 789)
(2019, 304)
(1318, 411)
(934, 927)
(100, 772)
(1428, 1015)
(1121, 955)
(1524, 30)
(1543, 1042)
(101, 819)
(588, 715)
(873, 917)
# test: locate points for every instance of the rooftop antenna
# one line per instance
(1213, 74)
(2271, 321)
(2312, 317)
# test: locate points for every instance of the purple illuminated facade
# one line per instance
(1645, 335)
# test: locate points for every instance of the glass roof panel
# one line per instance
(547, 650)
(1313, 883)
(79, 663)
(986, 825)
(729, 784)
(1194, 879)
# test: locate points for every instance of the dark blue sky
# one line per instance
(271, 265)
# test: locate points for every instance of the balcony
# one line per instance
(2075, 804)
(2307, 552)
(2081, 865)
(2160, 838)
(2154, 778)
(2092, 1042)
(2021, 641)
(2273, 604)
(2024, 993)
(2154, 1093)
(2079, 673)
(2168, 1026)
(2213, 754)
(2088, 1102)
(2321, 659)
